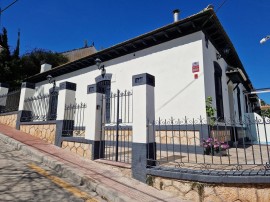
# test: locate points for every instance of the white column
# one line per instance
(66, 97)
(3, 91)
(24, 113)
(143, 146)
(65, 121)
(27, 91)
(93, 128)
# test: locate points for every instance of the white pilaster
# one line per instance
(27, 91)
(143, 145)
(144, 108)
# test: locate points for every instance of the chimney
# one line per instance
(176, 15)
(45, 67)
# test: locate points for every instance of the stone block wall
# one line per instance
(204, 192)
(45, 132)
(178, 137)
(82, 149)
(9, 120)
(124, 135)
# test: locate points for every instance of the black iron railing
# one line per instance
(74, 120)
(10, 102)
(40, 108)
(229, 147)
(118, 107)
(118, 147)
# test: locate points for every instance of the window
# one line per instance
(218, 91)
(246, 101)
(239, 104)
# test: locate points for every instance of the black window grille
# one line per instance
(239, 104)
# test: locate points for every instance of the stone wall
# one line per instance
(82, 149)
(9, 120)
(178, 137)
(124, 135)
(45, 132)
(203, 192)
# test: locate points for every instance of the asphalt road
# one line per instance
(23, 179)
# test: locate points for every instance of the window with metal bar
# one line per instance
(218, 91)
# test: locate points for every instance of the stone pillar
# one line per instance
(24, 113)
(143, 146)
(64, 123)
(93, 128)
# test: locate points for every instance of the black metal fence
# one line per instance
(118, 143)
(74, 120)
(40, 108)
(10, 102)
(229, 147)
(117, 126)
(118, 107)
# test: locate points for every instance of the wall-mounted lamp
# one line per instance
(51, 80)
(100, 67)
(218, 56)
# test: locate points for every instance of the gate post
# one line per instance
(66, 96)
(3, 90)
(143, 146)
(27, 90)
(93, 123)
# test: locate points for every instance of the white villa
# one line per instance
(191, 59)
(167, 74)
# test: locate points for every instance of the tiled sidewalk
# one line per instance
(106, 182)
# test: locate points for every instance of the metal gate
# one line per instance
(117, 114)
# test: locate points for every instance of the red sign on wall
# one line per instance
(195, 67)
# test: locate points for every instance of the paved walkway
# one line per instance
(106, 182)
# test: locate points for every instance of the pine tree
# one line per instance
(14, 68)
(15, 65)
(4, 56)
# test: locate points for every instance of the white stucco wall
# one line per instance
(230, 112)
(209, 58)
(177, 93)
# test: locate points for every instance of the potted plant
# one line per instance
(212, 146)
(223, 148)
(208, 146)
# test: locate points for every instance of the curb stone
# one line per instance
(67, 171)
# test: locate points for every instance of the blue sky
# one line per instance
(61, 25)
